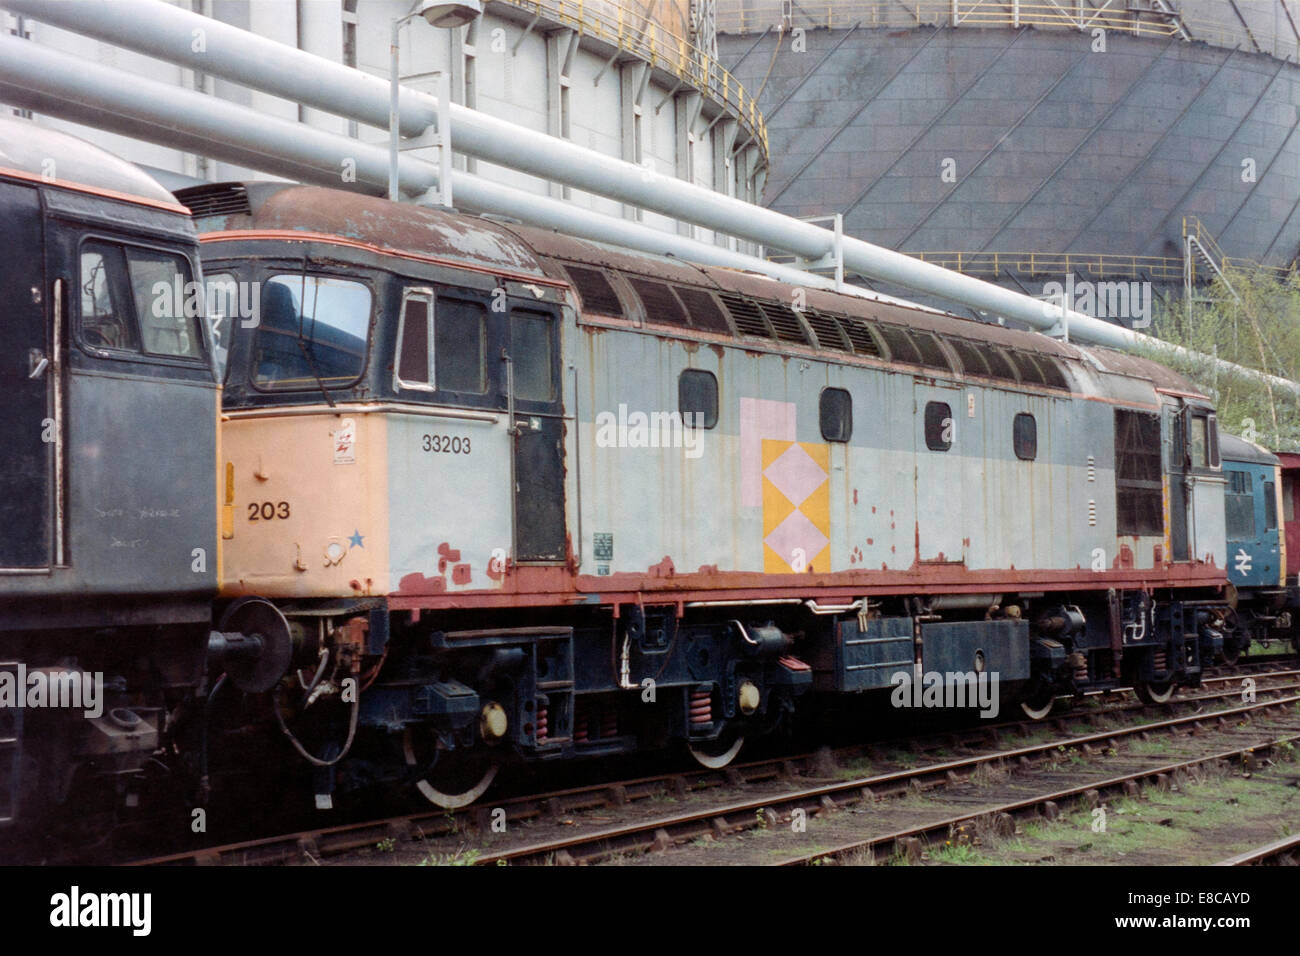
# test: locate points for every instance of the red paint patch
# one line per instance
(664, 569)
(855, 497)
(418, 584)
(873, 509)
(1158, 552)
(446, 554)
(965, 542)
(461, 574)
(1125, 557)
(708, 569)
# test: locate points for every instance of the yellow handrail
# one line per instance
(758, 15)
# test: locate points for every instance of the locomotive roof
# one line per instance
(29, 149)
(1232, 448)
(395, 227)
(759, 306)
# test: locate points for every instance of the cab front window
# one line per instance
(312, 332)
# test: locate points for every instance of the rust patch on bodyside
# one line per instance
(1125, 557)
(461, 574)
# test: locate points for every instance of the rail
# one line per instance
(757, 16)
(661, 46)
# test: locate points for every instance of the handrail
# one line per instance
(755, 16)
(1092, 265)
(660, 47)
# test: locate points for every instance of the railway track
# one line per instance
(1283, 852)
(316, 844)
(663, 833)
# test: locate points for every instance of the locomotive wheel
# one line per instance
(457, 780)
(1038, 705)
(1231, 654)
(1232, 648)
(1154, 692)
(716, 754)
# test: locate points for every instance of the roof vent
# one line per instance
(215, 199)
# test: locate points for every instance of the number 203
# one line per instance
(267, 510)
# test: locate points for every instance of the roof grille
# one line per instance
(971, 360)
(861, 337)
(785, 322)
(216, 199)
(932, 355)
(1030, 373)
(703, 311)
(828, 331)
(1052, 373)
(999, 362)
(901, 347)
(747, 315)
(596, 292)
(661, 306)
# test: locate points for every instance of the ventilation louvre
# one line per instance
(932, 355)
(901, 347)
(217, 199)
(864, 341)
(702, 311)
(972, 362)
(1054, 377)
(785, 322)
(999, 362)
(661, 306)
(747, 315)
(828, 331)
(594, 289)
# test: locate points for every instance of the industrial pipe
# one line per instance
(158, 29)
(41, 79)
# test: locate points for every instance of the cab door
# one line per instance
(1205, 483)
(28, 431)
(537, 420)
(1179, 499)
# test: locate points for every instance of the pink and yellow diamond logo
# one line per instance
(796, 506)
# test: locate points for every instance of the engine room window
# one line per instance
(460, 348)
(532, 349)
(413, 342)
(169, 319)
(1139, 497)
(1270, 506)
(939, 426)
(312, 334)
(697, 396)
(836, 415)
(1024, 436)
(106, 320)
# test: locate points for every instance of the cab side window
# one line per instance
(139, 300)
(106, 319)
(532, 350)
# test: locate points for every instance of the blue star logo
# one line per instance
(356, 539)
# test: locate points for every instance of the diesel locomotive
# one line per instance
(415, 495)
